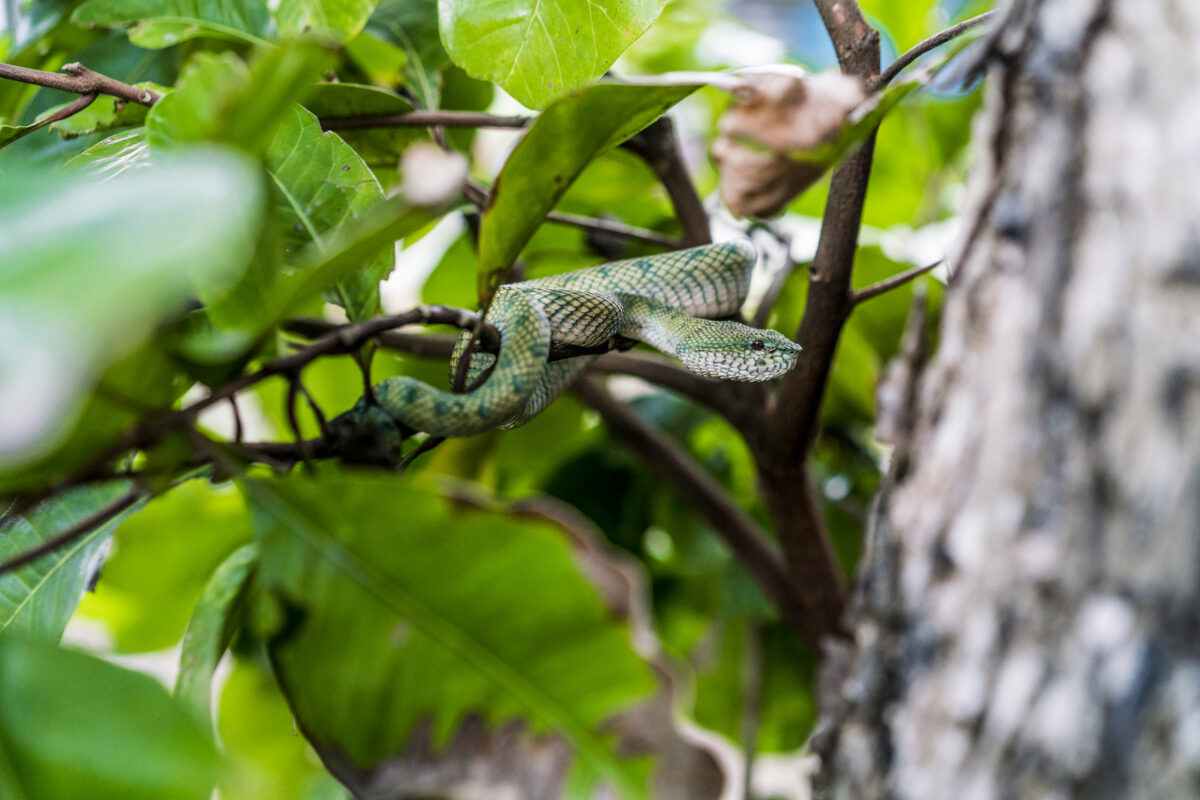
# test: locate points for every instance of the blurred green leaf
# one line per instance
(211, 628)
(220, 98)
(74, 726)
(79, 291)
(103, 115)
(413, 608)
(537, 51)
(162, 558)
(116, 154)
(332, 20)
(412, 27)
(565, 138)
(162, 23)
(40, 597)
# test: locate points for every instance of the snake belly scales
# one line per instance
(660, 300)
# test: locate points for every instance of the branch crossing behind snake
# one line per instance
(660, 300)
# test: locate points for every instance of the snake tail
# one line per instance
(519, 364)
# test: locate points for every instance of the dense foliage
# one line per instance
(155, 254)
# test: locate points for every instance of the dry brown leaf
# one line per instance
(777, 113)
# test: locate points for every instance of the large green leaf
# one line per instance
(335, 20)
(320, 184)
(162, 23)
(412, 26)
(564, 139)
(74, 726)
(405, 607)
(538, 50)
(91, 268)
(40, 597)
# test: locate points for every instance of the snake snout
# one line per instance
(740, 354)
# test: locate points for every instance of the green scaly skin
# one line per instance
(660, 300)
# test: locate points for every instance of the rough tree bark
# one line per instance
(1028, 622)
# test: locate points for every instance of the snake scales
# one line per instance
(658, 300)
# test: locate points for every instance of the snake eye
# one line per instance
(757, 344)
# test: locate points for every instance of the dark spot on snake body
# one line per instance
(345, 169)
(558, 179)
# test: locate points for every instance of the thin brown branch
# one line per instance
(876, 289)
(616, 229)
(744, 538)
(935, 41)
(658, 146)
(423, 119)
(79, 80)
(69, 110)
(76, 531)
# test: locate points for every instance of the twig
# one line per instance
(876, 289)
(423, 119)
(615, 228)
(80, 80)
(937, 40)
(238, 429)
(76, 531)
(69, 110)
(345, 339)
(421, 449)
(731, 523)
(658, 146)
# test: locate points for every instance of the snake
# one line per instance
(670, 301)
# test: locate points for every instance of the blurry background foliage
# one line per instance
(231, 194)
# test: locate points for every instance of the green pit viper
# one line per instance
(660, 300)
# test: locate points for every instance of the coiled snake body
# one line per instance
(658, 300)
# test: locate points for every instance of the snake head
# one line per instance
(735, 352)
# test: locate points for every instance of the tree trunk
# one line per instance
(1028, 622)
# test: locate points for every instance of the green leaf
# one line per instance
(162, 559)
(40, 597)
(565, 138)
(334, 20)
(91, 268)
(104, 115)
(211, 628)
(320, 184)
(115, 155)
(73, 725)
(412, 26)
(412, 608)
(537, 50)
(379, 147)
(220, 98)
(162, 23)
